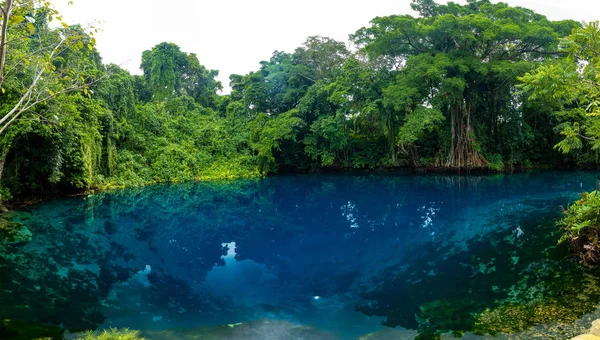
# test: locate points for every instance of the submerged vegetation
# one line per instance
(110, 334)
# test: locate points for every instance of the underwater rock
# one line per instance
(586, 337)
(595, 328)
(594, 332)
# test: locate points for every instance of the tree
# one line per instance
(325, 56)
(29, 72)
(168, 71)
(410, 98)
(426, 8)
(163, 67)
(37, 63)
(268, 133)
(468, 46)
(572, 86)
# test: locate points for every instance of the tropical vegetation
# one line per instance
(439, 90)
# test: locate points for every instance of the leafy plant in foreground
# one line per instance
(582, 225)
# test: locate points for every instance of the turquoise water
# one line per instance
(348, 254)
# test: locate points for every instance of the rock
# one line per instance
(594, 332)
(586, 337)
(595, 328)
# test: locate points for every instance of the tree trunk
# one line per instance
(2, 163)
(392, 137)
(3, 34)
(463, 154)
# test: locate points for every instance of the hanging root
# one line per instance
(463, 154)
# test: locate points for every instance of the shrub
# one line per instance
(581, 224)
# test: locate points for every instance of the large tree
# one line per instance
(468, 48)
(168, 71)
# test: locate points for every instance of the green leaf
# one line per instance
(17, 19)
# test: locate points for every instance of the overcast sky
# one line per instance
(233, 36)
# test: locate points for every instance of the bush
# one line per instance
(581, 224)
(495, 163)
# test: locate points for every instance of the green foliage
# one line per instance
(328, 140)
(581, 225)
(570, 85)
(418, 123)
(495, 163)
(463, 61)
(438, 90)
(268, 133)
(169, 71)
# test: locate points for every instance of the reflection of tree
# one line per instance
(81, 248)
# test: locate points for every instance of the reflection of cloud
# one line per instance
(247, 282)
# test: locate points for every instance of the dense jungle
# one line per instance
(457, 87)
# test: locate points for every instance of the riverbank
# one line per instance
(19, 202)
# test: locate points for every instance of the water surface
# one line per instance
(347, 254)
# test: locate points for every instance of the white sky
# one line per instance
(233, 36)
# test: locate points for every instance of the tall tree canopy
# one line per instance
(170, 71)
(469, 56)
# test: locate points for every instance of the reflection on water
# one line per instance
(345, 254)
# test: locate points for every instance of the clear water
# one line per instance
(348, 254)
